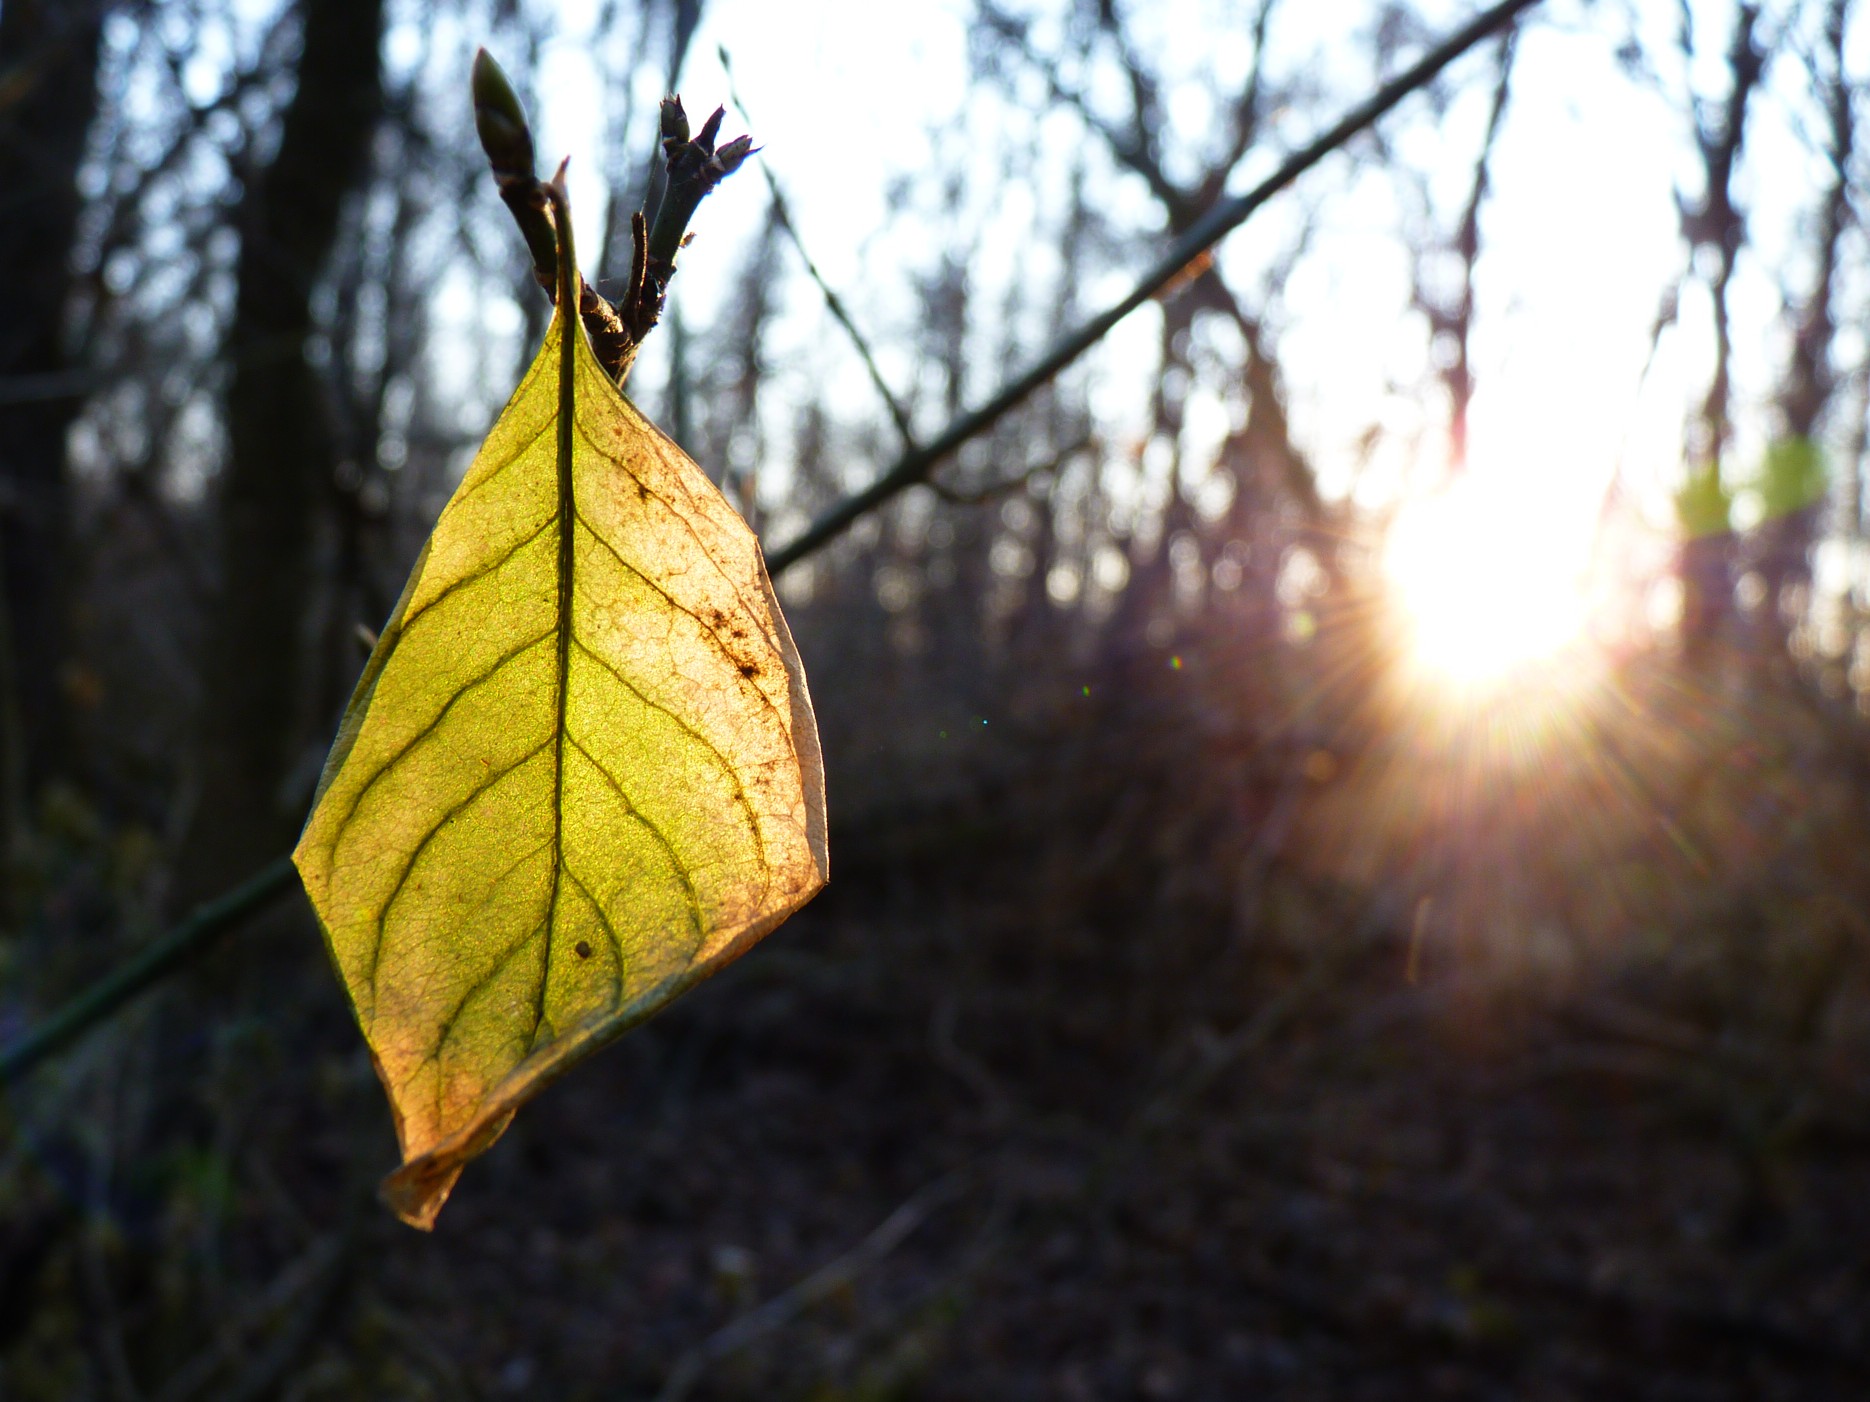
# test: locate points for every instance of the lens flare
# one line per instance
(1489, 581)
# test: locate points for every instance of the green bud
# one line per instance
(500, 120)
(674, 121)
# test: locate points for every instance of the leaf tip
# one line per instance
(416, 1192)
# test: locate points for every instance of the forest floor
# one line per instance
(838, 1175)
(947, 1136)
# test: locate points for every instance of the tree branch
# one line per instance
(914, 466)
(196, 934)
(184, 943)
(694, 165)
(834, 304)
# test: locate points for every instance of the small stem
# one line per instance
(693, 168)
(178, 947)
(507, 140)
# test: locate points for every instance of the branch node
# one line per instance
(694, 167)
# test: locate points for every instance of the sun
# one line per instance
(1489, 582)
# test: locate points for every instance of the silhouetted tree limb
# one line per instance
(197, 934)
(913, 467)
(49, 52)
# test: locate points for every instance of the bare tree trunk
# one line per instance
(48, 71)
(1715, 223)
(281, 445)
(1451, 322)
(1796, 479)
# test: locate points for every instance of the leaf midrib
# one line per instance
(569, 329)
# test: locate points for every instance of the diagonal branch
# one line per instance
(914, 466)
(782, 211)
(197, 934)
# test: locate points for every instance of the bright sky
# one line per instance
(1580, 231)
(1579, 234)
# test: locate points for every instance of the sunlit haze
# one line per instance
(1489, 581)
(1580, 379)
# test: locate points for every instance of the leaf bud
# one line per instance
(500, 120)
(674, 122)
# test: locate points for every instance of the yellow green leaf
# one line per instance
(580, 771)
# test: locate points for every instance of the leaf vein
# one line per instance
(513, 457)
(441, 1044)
(682, 520)
(409, 866)
(610, 933)
(720, 643)
(445, 1030)
(409, 745)
(681, 870)
(727, 767)
(473, 576)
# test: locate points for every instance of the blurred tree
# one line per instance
(282, 455)
(1795, 478)
(1714, 227)
(1448, 301)
(1263, 464)
(48, 98)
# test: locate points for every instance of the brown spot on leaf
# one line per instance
(582, 949)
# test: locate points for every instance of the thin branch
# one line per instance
(833, 303)
(828, 1280)
(914, 466)
(181, 945)
(302, 1277)
(993, 491)
(196, 934)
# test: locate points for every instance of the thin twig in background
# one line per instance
(181, 945)
(833, 303)
(308, 1273)
(993, 491)
(820, 1285)
(911, 469)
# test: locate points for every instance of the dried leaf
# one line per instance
(579, 774)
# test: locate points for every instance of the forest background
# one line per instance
(1348, 806)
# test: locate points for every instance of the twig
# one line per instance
(820, 1285)
(186, 941)
(993, 491)
(967, 1068)
(694, 167)
(106, 1324)
(299, 1333)
(310, 1271)
(911, 469)
(914, 466)
(1328, 962)
(833, 303)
